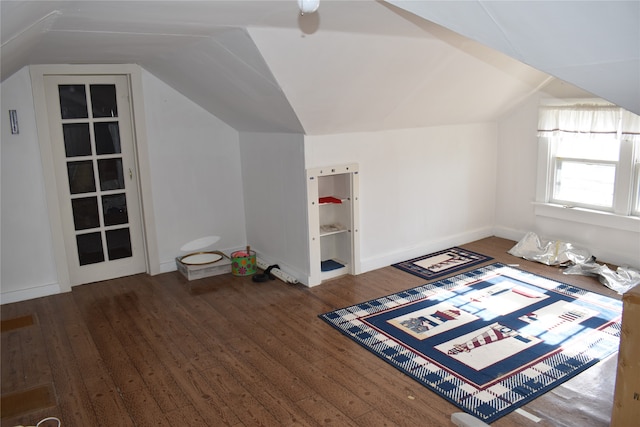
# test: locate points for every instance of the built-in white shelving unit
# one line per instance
(333, 222)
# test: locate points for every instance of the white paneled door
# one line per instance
(91, 130)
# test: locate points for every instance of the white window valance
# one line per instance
(588, 119)
(630, 124)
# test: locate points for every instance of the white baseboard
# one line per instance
(29, 293)
(509, 233)
(424, 248)
(168, 266)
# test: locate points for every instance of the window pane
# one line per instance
(589, 146)
(119, 244)
(103, 101)
(90, 248)
(107, 138)
(77, 141)
(115, 209)
(85, 213)
(585, 183)
(73, 101)
(111, 176)
(81, 178)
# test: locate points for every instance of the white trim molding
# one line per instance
(425, 247)
(29, 293)
(134, 73)
(588, 216)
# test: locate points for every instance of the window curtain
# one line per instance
(630, 126)
(588, 119)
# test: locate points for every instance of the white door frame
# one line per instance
(134, 74)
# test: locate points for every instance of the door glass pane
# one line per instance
(85, 213)
(90, 248)
(107, 138)
(103, 101)
(81, 179)
(73, 101)
(111, 176)
(114, 208)
(77, 141)
(118, 244)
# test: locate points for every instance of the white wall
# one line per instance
(195, 172)
(420, 189)
(28, 266)
(517, 168)
(196, 185)
(275, 200)
(516, 192)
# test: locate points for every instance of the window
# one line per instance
(636, 196)
(591, 158)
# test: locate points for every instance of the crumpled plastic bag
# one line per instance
(577, 260)
(621, 280)
(549, 252)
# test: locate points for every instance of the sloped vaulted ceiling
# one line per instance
(202, 49)
(259, 66)
(595, 45)
(353, 82)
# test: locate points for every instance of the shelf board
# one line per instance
(329, 229)
(335, 272)
(330, 265)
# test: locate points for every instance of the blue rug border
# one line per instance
(448, 282)
(401, 266)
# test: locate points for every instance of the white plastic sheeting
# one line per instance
(621, 280)
(577, 260)
(549, 252)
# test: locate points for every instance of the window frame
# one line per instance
(556, 161)
(635, 210)
(626, 201)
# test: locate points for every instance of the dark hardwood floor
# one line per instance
(225, 351)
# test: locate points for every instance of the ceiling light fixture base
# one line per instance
(308, 6)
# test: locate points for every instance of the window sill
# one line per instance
(588, 216)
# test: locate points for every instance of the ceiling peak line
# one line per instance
(48, 16)
(502, 31)
(524, 96)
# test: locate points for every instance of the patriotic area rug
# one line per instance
(441, 263)
(489, 340)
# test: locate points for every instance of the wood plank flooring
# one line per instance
(225, 351)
